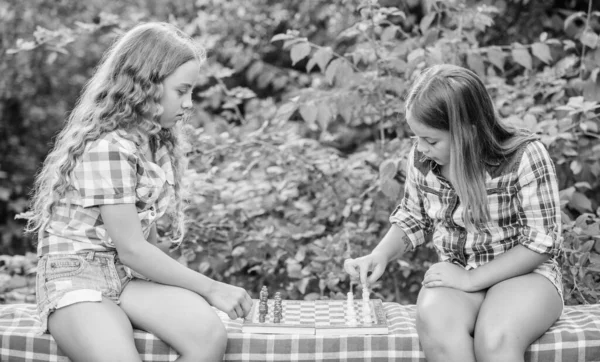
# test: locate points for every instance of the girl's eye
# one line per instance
(180, 92)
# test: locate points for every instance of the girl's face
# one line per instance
(433, 143)
(177, 93)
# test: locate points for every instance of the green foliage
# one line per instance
(297, 156)
(550, 86)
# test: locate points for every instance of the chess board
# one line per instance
(318, 317)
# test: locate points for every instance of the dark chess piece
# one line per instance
(264, 293)
(264, 298)
(262, 311)
(277, 308)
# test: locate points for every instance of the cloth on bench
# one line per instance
(575, 337)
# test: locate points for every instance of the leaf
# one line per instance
(344, 74)
(529, 121)
(282, 37)
(389, 33)
(324, 115)
(589, 126)
(476, 64)
(322, 56)
(254, 70)
(589, 38)
(542, 52)
(299, 52)
(308, 111)
(294, 270)
(390, 188)
(581, 202)
(521, 55)
(387, 169)
(416, 54)
(587, 246)
(285, 111)
(595, 258)
(290, 42)
(496, 56)
(576, 167)
(331, 70)
(300, 254)
(573, 17)
(426, 22)
(345, 108)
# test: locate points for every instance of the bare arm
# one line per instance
(394, 244)
(517, 261)
(123, 226)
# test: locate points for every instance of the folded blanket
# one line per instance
(575, 337)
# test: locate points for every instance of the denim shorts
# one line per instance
(65, 279)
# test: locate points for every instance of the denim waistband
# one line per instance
(88, 254)
(91, 255)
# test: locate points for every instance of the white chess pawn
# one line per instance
(365, 292)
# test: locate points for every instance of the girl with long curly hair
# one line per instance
(486, 195)
(116, 168)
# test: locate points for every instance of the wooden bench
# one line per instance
(574, 337)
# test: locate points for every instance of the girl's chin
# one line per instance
(169, 124)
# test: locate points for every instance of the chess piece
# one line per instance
(350, 312)
(264, 299)
(277, 308)
(262, 311)
(264, 293)
(366, 305)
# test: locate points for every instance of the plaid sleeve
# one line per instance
(106, 174)
(410, 215)
(539, 209)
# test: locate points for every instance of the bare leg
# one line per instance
(445, 323)
(513, 315)
(93, 332)
(177, 316)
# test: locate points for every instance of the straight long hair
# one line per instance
(123, 94)
(454, 99)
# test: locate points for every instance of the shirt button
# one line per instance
(462, 234)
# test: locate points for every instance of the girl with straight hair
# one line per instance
(487, 196)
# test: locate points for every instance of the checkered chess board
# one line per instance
(318, 314)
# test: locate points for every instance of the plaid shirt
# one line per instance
(112, 170)
(522, 194)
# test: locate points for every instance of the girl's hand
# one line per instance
(360, 267)
(446, 274)
(234, 301)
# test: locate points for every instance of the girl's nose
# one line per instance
(421, 147)
(187, 102)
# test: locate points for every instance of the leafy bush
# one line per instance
(297, 157)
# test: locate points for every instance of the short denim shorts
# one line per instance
(66, 279)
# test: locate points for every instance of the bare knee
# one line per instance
(436, 327)
(494, 342)
(209, 339)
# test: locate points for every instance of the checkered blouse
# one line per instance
(111, 171)
(522, 194)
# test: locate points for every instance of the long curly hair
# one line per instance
(123, 94)
(454, 99)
